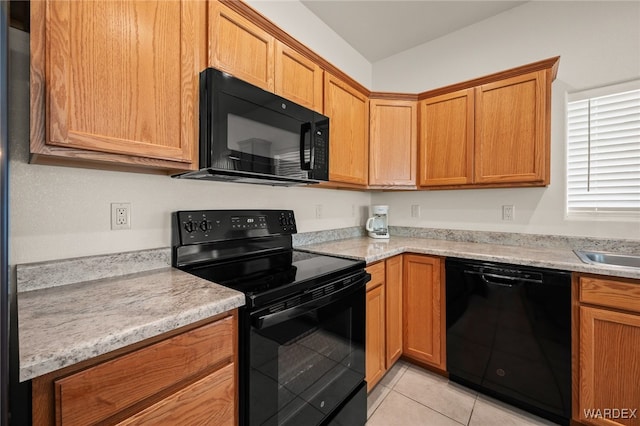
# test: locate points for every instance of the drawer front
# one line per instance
(377, 275)
(614, 293)
(99, 392)
(209, 401)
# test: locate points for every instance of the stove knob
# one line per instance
(204, 226)
(189, 227)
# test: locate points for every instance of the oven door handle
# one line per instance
(268, 320)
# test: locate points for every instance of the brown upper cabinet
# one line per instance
(511, 135)
(298, 78)
(243, 49)
(392, 142)
(116, 81)
(489, 132)
(348, 111)
(446, 139)
(240, 48)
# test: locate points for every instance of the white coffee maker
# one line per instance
(378, 224)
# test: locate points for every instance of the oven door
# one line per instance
(306, 360)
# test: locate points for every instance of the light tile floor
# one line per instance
(410, 396)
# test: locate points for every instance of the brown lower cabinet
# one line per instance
(606, 348)
(424, 310)
(186, 378)
(384, 318)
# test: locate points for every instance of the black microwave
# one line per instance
(250, 135)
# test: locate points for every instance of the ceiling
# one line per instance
(381, 28)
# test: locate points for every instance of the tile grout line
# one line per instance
(475, 401)
(430, 408)
(380, 403)
(390, 390)
(433, 409)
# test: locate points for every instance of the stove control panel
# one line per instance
(202, 226)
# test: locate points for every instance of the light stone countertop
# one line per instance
(63, 325)
(372, 250)
(73, 310)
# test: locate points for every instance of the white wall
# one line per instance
(599, 44)
(298, 21)
(62, 212)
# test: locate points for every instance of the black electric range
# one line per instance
(301, 342)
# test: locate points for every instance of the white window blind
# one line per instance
(603, 151)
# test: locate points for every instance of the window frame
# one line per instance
(595, 214)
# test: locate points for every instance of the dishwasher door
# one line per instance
(509, 334)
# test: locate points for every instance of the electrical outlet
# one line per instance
(415, 210)
(120, 216)
(508, 212)
(318, 211)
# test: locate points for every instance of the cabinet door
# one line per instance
(239, 47)
(208, 401)
(348, 111)
(298, 78)
(121, 76)
(446, 139)
(375, 328)
(609, 367)
(392, 142)
(511, 129)
(97, 393)
(423, 310)
(393, 307)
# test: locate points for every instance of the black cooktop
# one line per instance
(267, 278)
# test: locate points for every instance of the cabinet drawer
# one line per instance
(99, 392)
(377, 275)
(614, 293)
(209, 401)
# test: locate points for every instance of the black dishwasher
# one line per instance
(509, 334)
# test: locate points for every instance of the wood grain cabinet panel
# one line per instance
(375, 326)
(298, 78)
(348, 110)
(187, 376)
(99, 392)
(446, 139)
(423, 310)
(494, 131)
(116, 81)
(510, 130)
(393, 309)
(610, 292)
(239, 47)
(606, 348)
(392, 142)
(384, 318)
(209, 401)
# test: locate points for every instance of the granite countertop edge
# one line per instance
(372, 250)
(43, 356)
(78, 339)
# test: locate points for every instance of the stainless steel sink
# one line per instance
(609, 259)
